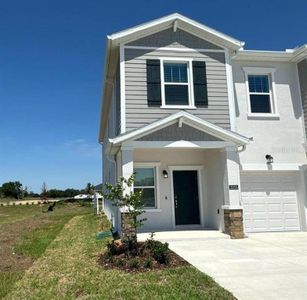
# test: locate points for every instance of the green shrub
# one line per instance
(133, 263)
(119, 262)
(159, 251)
(148, 263)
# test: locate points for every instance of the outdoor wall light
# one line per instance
(165, 174)
(269, 159)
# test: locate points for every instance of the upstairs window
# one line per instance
(176, 83)
(259, 94)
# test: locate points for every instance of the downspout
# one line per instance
(111, 159)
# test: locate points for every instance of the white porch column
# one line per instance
(232, 209)
(126, 162)
(232, 185)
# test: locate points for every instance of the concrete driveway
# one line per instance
(262, 266)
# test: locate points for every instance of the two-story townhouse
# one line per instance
(214, 133)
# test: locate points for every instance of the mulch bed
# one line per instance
(139, 262)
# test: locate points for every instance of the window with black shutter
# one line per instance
(153, 82)
(170, 85)
(200, 83)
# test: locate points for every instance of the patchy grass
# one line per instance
(69, 269)
(25, 233)
(11, 214)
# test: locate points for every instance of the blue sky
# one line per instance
(51, 69)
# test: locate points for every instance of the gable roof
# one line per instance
(186, 118)
(180, 21)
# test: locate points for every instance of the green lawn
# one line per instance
(25, 233)
(68, 269)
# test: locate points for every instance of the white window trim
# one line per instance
(188, 61)
(156, 166)
(273, 101)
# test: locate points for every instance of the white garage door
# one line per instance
(270, 202)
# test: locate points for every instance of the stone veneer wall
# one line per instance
(233, 223)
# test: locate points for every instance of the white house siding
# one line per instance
(211, 187)
(283, 138)
(302, 72)
(139, 114)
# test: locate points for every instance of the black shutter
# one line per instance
(153, 82)
(200, 83)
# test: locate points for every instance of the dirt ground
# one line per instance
(10, 235)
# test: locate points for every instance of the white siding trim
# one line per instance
(122, 89)
(175, 49)
(230, 89)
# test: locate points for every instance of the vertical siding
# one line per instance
(139, 114)
(302, 72)
(179, 39)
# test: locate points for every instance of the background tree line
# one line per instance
(15, 189)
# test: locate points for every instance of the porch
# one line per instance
(189, 172)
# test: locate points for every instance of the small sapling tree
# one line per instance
(129, 201)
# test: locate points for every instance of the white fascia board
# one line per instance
(259, 55)
(290, 55)
(187, 119)
(168, 21)
(269, 168)
(104, 100)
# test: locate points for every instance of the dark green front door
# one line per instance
(186, 199)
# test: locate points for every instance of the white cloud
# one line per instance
(83, 148)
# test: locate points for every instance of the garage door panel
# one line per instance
(290, 207)
(258, 208)
(277, 224)
(270, 202)
(292, 224)
(275, 215)
(274, 207)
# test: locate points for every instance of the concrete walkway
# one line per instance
(262, 266)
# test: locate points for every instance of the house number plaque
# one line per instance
(234, 187)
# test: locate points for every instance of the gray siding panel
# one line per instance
(175, 133)
(179, 39)
(302, 71)
(139, 114)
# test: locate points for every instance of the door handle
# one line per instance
(176, 201)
